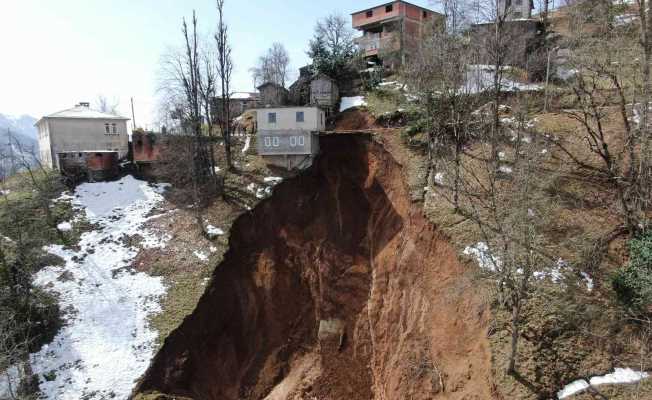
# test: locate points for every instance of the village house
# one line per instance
(239, 102)
(515, 9)
(273, 94)
(391, 31)
(324, 91)
(288, 136)
(82, 136)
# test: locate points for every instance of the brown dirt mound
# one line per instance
(335, 288)
(355, 119)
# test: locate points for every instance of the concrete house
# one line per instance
(272, 94)
(324, 91)
(79, 131)
(288, 136)
(390, 31)
(515, 9)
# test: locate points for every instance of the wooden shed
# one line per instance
(272, 94)
(324, 91)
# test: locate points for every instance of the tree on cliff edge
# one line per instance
(332, 47)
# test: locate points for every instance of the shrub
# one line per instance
(633, 283)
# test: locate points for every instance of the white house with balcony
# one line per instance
(288, 136)
(80, 130)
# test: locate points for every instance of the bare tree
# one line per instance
(224, 71)
(332, 47)
(103, 104)
(273, 66)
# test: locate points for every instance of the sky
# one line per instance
(57, 53)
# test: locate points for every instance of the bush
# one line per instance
(633, 284)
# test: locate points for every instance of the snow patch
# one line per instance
(200, 255)
(480, 78)
(247, 144)
(106, 342)
(64, 227)
(439, 178)
(274, 180)
(619, 376)
(214, 231)
(10, 382)
(505, 169)
(350, 102)
(483, 256)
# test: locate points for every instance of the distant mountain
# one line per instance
(23, 142)
(22, 127)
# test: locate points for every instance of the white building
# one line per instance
(288, 136)
(81, 130)
(515, 9)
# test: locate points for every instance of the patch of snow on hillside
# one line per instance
(247, 144)
(480, 78)
(274, 180)
(200, 255)
(439, 178)
(350, 102)
(10, 382)
(483, 256)
(214, 231)
(588, 280)
(619, 376)
(106, 342)
(64, 227)
(573, 388)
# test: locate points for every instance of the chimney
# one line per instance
(84, 104)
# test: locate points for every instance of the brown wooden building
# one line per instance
(272, 94)
(324, 91)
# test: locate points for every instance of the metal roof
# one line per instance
(84, 112)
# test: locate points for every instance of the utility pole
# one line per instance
(131, 138)
(545, 100)
(133, 115)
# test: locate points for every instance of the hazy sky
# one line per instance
(56, 53)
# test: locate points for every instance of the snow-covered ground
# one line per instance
(106, 343)
(350, 102)
(489, 262)
(480, 78)
(619, 376)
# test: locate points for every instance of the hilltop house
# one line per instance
(392, 30)
(273, 94)
(287, 136)
(324, 91)
(79, 132)
(239, 102)
(515, 9)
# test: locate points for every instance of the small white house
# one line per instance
(288, 136)
(81, 130)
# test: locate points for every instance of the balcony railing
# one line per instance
(373, 43)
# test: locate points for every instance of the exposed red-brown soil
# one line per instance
(336, 287)
(355, 119)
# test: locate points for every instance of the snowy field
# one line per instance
(106, 343)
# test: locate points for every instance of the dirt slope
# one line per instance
(336, 287)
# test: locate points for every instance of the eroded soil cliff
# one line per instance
(335, 287)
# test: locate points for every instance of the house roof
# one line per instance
(271, 84)
(392, 2)
(84, 112)
(244, 96)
